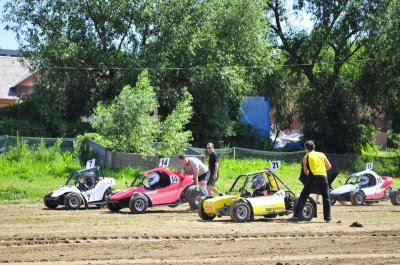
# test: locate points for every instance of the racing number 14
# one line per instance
(174, 179)
(164, 162)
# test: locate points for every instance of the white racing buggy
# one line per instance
(84, 187)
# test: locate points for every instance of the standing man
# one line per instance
(213, 165)
(193, 166)
(315, 166)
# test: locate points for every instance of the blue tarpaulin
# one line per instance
(255, 111)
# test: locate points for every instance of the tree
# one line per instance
(174, 136)
(128, 124)
(379, 82)
(217, 50)
(327, 102)
(86, 51)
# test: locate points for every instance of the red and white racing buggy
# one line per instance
(156, 187)
(366, 187)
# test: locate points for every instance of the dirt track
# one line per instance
(33, 234)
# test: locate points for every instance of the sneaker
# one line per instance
(327, 221)
(318, 203)
(293, 219)
(221, 194)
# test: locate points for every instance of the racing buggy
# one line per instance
(366, 187)
(260, 193)
(156, 187)
(84, 187)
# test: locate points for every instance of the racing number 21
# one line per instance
(275, 165)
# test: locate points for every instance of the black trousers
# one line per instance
(322, 183)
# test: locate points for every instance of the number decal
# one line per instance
(90, 163)
(174, 178)
(369, 166)
(275, 165)
(164, 162)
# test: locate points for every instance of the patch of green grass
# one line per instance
(28, 174)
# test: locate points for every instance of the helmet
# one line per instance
(154, 178)
(259, 182)
(364, 181)
(90, 178)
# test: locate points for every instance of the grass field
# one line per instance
(28, 180)
(28, 174)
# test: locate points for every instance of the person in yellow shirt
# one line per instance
(315, 166)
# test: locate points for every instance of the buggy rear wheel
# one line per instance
(113, 207)
(395, 197)
(240, 212)
(200, 210)
(357, 198)
(51, 204)
(138, 204)
(72, 201)
(308, 212)
(195, 198)
(271, 215)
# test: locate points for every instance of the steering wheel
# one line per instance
(80, 185)
(140, 184)
(243, 189)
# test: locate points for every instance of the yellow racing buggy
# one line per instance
(260, 193)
